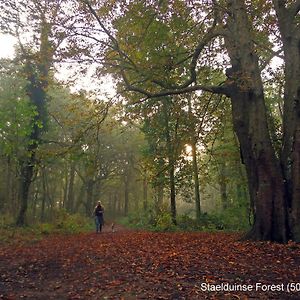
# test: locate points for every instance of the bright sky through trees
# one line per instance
(88, 83)
(7, 43)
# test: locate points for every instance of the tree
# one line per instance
(289, 26)
(40, 17)
(226, 28)
(15, 125)
(164, 126)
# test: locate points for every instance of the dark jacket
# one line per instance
(98, 210)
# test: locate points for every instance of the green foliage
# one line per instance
(63, 223)
(207, 222)
(16, 112)
(164, 222)
(233, 219)
(151, 219)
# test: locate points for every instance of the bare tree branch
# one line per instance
(212, 89)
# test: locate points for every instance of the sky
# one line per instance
(6, 45)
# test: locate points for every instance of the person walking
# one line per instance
(99, 220)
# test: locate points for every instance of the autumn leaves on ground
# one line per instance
(147, 265)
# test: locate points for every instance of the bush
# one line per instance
(62, 223)
(233, 219)
(151, 219)
(164, 222)
(70, 223)
(161, 220)
(206, 222)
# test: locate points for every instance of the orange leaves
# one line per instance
(143, 265)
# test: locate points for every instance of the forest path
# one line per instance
(146, 265)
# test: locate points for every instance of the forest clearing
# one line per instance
(146, 265)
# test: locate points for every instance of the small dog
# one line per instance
(113, 227)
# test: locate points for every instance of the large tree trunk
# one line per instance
(290, 157)
(295, 205)
(36, 73)
(26, 174)
(265, 180)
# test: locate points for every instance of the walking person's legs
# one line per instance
(101, 222)
(97, 223)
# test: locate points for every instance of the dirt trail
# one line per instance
(144, 265)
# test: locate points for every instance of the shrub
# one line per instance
(71, 223)
(233, 219)
(161, 220)
(164, 222)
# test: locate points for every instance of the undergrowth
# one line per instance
(161, 220)
(63, 223)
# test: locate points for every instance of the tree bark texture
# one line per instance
(290, 156)
(265, 180)
(26, 175)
